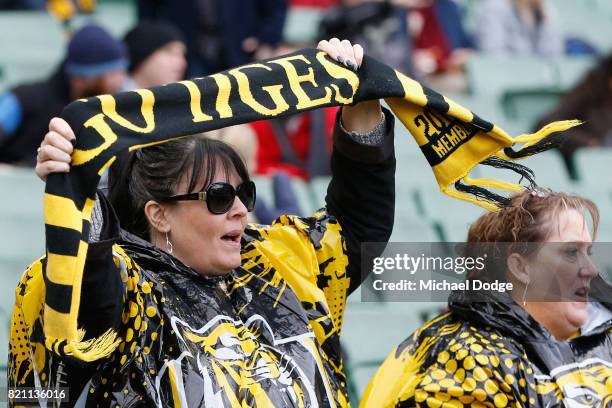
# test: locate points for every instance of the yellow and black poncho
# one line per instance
(488, 352)
(452, 139)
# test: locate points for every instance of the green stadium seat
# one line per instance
(409, 228)
(529, 106)
(604, 7)
(494, 75)
(21, 215)
(601, 196)
(264, 189)
(10, 273)
(318, 187)
(22, 238)
(456, 231)
(305, 197)
(593, 166)
(33, 42)
(26, 192)
(440, 208)
(302, 24)
(368, 336)
(571, 70)
(5, 322)
(586, 22)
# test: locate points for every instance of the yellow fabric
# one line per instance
(290, 253)
(452, 138)
(453, 364)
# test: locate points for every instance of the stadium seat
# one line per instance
(318, 187)
(5, 321)
(456, 231)
(368, 336)
(570, 70)
(593, 166)
(33, 42)
(301, 24)
(529, 106)
(305, 197)
(494, 75)
(23, 192)
(21, 215)
(264, 189)
(587, 22)
(440, 208)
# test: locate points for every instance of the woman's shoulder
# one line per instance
(447, 337)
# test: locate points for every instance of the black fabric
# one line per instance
(370, 184)
(40, 101)
(146, 38)
(360, 194)
(501, 312)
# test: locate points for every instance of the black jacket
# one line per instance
(40, 101)
(267, 334)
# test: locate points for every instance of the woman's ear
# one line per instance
(518, 267)
(156, 215)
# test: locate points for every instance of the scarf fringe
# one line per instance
(89, 350)
(476, 190)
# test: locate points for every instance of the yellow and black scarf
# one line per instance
(451, 137)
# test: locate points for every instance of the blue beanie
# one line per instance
(92, 51)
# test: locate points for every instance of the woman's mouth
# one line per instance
(582, 294)
(232, 237)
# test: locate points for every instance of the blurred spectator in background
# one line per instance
(590, 101)
(157, 55)
(441, 46)
(323, 4)
(379, 26)
(299, 145)
(221, 34)
(518, 27)
(94, 64)
(22, 4)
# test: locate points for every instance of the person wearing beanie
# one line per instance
(94, 64)
(157, 55)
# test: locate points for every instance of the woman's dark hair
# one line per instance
(154, 172)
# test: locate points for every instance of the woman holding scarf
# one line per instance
(212, 312)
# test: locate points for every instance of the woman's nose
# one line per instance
(588, 269)
(238, 208)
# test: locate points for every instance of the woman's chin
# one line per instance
(577, 313)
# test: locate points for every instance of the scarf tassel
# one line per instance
(476, 190)
(88, 350)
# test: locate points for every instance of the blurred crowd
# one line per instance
(173, 40)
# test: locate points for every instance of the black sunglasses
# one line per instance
(220, 197)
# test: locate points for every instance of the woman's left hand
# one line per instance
(362, 117)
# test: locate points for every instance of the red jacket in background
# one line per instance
(298, 130)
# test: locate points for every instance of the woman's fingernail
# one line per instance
(352, 65)
(341, 59)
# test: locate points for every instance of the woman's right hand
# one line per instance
(54, 153)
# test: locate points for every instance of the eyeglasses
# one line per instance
(220, 197)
